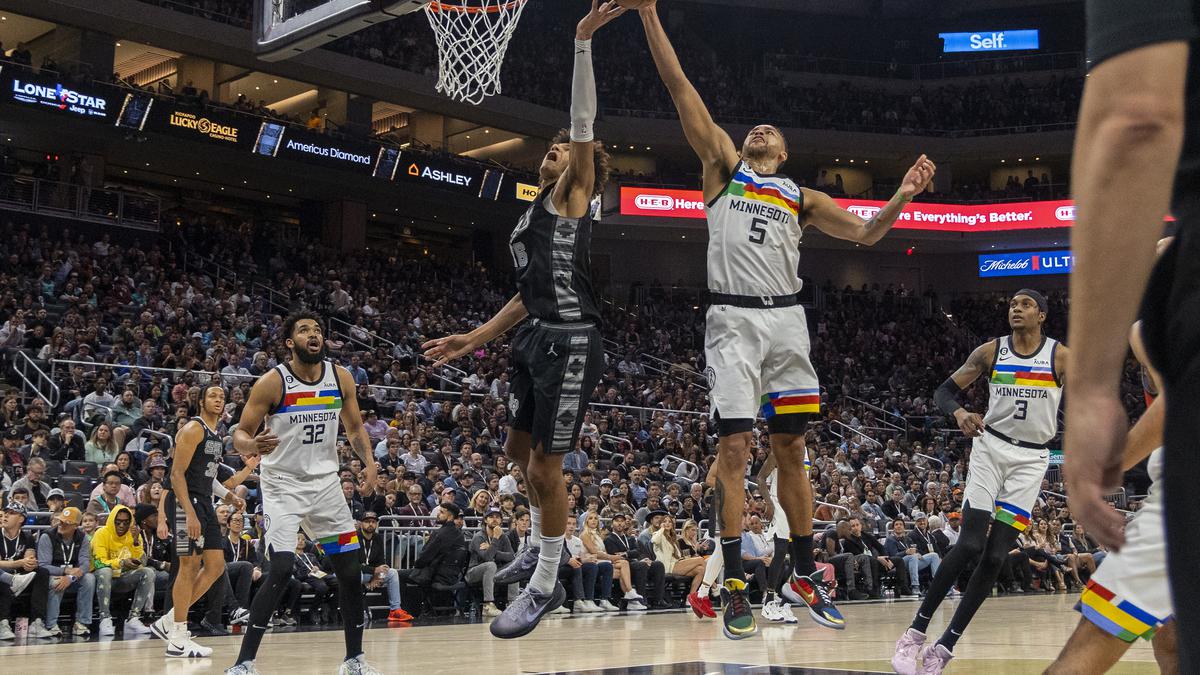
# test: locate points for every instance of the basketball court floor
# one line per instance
(1010, 635)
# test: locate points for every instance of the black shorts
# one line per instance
(555, 369)
(210, 529)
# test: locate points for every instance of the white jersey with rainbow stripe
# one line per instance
(306, 423)
(754, 232)
(1024, 392)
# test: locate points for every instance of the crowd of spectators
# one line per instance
(142, 332)
(538, 69)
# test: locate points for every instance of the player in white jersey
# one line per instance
(756, 338)
(1026, 371)
(297, 406)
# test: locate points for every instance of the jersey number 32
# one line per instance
(313, 433)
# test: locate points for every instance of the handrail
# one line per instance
(835, 507)
(852, 430)
(21, 365)
(370, 334)
(872, 406)
(940, 463)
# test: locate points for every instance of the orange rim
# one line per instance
(436, 6)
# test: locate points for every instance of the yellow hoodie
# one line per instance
(108, 550)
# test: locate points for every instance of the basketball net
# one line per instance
(472, 36)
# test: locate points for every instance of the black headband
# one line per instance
(1037, 297)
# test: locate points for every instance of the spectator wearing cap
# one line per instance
(448, 496)
(923, 553)
(948, 533)
(376, 428)
(490, 550)
(156, 471)
(66, 555)
(375, 569)
(12, 449)
(647, 574)
(616, 504)
(32, 483)
(55, 502)
(19, 570)
(67, 444)
(441, 558)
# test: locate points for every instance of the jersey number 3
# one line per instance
(758, 231)
(1022, 409)
(313, 433)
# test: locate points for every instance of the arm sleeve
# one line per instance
(219, 490)
(583, 94)
(946, 396)
(1113, 29)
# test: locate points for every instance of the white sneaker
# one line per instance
(633, 595)
(771, 612)
(608, 606)
(83, 631)
(6, 632)
(134, 625)
(181, 646)
(560, 610)
(635, 606)
(240, 616)
(21, 581)
(246, 668)
(106, 627)
(38, 630)
(785, 609)
(587, 606)
(358, 666)
(162, 628)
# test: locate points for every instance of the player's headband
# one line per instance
(1037, 297)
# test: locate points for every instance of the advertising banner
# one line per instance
(48, 93)
(989, 41)
(1025, 264)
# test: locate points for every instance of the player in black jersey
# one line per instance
(557, 356)
(198, 544)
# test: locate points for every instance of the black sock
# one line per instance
(264, 602)
(350, 596)
(801, 548)
(921, 622)
(731, 549)
(949, 638)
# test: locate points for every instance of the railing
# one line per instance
(35, 379)
(349, 326)
(927, 458)
(98, 205)
(835, 507)
(838, 423)
(936, 70)
(902, 428)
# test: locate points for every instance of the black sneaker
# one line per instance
(738, 618)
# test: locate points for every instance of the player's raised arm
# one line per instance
(574, 191)
(714, 147)
(946, 396)
(446, 349)
(263, 395)
(824, 213)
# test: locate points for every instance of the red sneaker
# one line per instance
(399, 615)
(701, 606)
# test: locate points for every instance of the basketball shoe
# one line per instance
(933, 659)
(523, 614)
(702, 606)
(358, 666)
(812, 592)
(738, 617)
(904, 661)
(520, 568)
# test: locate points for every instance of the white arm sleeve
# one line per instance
(219, 490)
(583, 94)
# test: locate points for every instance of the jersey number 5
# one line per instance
(313, 433)
(1022, 409)
(758, 231)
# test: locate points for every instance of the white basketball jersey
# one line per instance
(1024, 393)
(306, 423)
(754, 235)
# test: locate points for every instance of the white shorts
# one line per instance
(315, 504)
(758, 362)
(1005, 479)
(1129, 596)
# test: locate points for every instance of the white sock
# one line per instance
(712, 569)
(535, 526)
(546, 572)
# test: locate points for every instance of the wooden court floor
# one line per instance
(1015, 634)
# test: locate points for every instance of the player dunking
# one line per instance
(756, 336)
(558, 357)
(1026, 371)
(198, 542)
(301, 403)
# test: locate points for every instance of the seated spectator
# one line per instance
(66, 445)
(128, 409)
(666, 551)
(125, 493)
(414, 461)
(19, 573)
(592, 586)
(98, 403)
(376, 571)
(897, 548)
(158, 548)
(490, 550)
(896, 508)
(104, 445)
(757, 551)
(118, 563)
(105, 502)
(865, 563)
(593, 545)
(315, 573)
(66, 555)
(32, 484)
(924, 554)
(518, 528)
(437, 562)
(647, 574)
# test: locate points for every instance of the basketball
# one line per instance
(634, 4)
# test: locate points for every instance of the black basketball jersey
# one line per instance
(202, 469)
(552, 258)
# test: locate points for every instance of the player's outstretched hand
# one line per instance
(1092, 451)
(971, 424)
(445, 349)
(918, 177)
(265, 442)
(600, 15)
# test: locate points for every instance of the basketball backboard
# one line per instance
(285, 28)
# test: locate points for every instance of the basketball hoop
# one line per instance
(472, 36)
